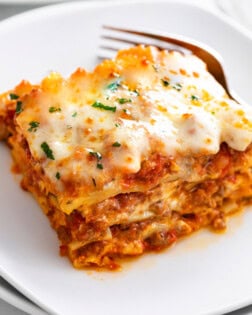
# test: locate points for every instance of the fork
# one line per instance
(119, 37)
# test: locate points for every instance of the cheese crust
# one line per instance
(145, 149)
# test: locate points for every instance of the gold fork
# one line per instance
(168, 41)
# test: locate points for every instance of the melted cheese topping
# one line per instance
(98, 126)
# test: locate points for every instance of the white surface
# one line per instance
(241, 10)
(204, 274)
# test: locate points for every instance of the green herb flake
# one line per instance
(100, 166)
(113, 86)
(53, 109)
(177, 87)
(13, 96)
(117, 125)
(33, 126)
(98, 157)
(194, 98)
(213, 113)
(96, 154)
(94, 182)
(57, 175)
(105, 107)
(136, 92)
(124, 100)
(48, 152)
(116, 144)
(126, 111)
(165, 82)
(19, 108)
(74, 114)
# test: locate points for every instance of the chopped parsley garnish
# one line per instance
(13, 96)
(57, 175)
(126, 111)
(19, 107)
(48, 152)
(53, 109)
(194, 98)
(213, 113)
(105, 107)
(124, 100)
(177, 87)
(98, 157)
(96, 154)
(113, 86)
(74, 114)
(33, 126)
(94, 182)
(165, 82)
(116, 144)
(100, 166)
(136, 92)
(117, 125)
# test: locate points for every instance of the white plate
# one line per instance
(239, 9)
(203, 274)
(14, 297)
(31, 2)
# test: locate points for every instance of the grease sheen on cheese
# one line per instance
(162, 102)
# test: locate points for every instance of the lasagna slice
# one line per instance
(142, 151)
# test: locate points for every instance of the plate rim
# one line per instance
(28, 2)
(61, 5)
(18, 300)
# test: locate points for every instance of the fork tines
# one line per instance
(114, 39)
